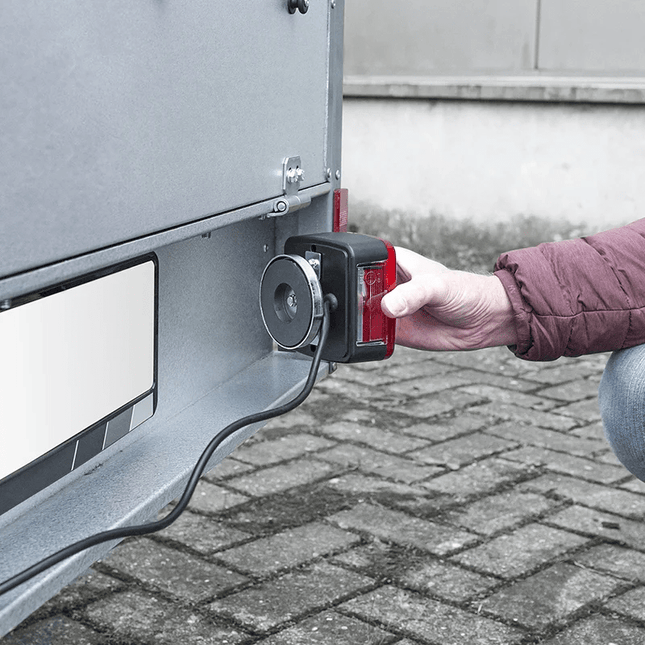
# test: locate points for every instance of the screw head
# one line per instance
(281, 206)
(338, 174)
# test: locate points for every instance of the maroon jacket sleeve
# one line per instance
(578, 296)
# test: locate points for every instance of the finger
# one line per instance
(410, 263)
(409, 297)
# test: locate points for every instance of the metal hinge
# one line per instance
(292, 177)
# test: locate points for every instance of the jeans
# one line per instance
(622, 405)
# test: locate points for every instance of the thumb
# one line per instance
(407, 298)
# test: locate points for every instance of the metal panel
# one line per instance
(420, 37)
(121, 119)
(605, 36)
(215, 365)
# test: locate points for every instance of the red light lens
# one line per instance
(374, 281)
(341, 210)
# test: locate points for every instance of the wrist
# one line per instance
(502, 330)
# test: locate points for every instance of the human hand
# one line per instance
(441, 309)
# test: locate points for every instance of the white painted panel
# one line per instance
(72, 358)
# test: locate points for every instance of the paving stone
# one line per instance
(424, 369)
(498, 512)
(573, 391)
(634, 485)
(379, 463)
(371, 378)
(290, 509)
(176, 573)
(525, 416)
(364, 416)
(331, 628)
(210, 498)
(616, 560)
(568, 370)
(347, 389)
(383, 491)
(443, 429)
(446, 581)
(587, 410)
(543, 438)
(371, 436)
(607, 456)
(591, 431)
(228, 467)
(631, 604)
(87, 588)
(441, 403)
(424, 618)
(279, 478)
(277, 601)
(509, 397)
(494, 360)
(478, 478)
(600, 630)
(550, 596)
(288, 549)
(202, 534)
(136, 615)
(264, 453)
(590, 521)
(567, 464)
(403, 529)
(455, 453)
(58, 630)
(300, 417)
(604, 498)
(496, 380)
(424, 385)
(516, 554)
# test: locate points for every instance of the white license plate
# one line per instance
(73, 357)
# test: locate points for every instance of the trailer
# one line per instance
(154, 157)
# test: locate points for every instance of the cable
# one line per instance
(330, 303)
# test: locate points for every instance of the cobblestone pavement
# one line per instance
(435, 499)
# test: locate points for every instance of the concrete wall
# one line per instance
(490, 161)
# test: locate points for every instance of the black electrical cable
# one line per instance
(330, 303)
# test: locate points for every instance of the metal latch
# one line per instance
(292, 177)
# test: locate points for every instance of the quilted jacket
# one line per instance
(578, 296)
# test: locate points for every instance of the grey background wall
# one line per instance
(486, 109)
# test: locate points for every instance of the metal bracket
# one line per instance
(292, 176)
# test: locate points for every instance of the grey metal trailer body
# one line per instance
(156, 132)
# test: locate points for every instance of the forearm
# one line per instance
(578, 296)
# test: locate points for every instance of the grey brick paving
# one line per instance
(433, 499)
(428, 619)
(288, 549)
(277, 601)
(550, 596)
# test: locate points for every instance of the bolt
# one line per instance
(281, 206)
(266, 247)
(328, 174)
(333, 4)
(338, 174)
(292, 300)
(5, 304)
(315, 264)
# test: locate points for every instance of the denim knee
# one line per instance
(622, 406)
